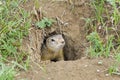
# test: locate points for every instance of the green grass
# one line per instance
(106, 21)
(99, 9)
(113, 69)
(97, 46)
(6, 72)
(102, 32)
(14, 26)
(45, 22)
(15, 22)
(115, 15)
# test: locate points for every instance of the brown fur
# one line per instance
(48, 51)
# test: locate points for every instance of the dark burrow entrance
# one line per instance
(74, 47)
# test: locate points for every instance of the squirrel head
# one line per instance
(55, 43)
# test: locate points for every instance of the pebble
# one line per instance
(100, 62)
(106, 74)
(98, 70)
(86, 65)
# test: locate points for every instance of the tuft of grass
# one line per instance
(14, 26)
(15, 23)
(97, 47)
(112, 69)
(115, 14)
(45, 22)
(6, 72)
(105, 23)
(101, 10)
(98, 5)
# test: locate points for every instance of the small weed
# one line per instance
(107, 20)
(112, 69)
(117, 58)
(6, 72)
(115, 14)
(45, 22)
(97, 48)
(106, 16)
(14, 26)
(99, 9)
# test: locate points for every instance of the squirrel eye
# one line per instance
(52, 40)
(62, 42)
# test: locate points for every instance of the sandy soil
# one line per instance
(84, 69)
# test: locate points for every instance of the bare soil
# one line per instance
(83, 69)
(70, 23)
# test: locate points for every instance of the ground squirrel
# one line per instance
(53, 48)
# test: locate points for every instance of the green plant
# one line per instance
(112, 69)
(97, 47)
(104, 14)
(115, 14)
(106, 20)
(45, 22)
(108, 46)
(98, 5)
(14, 26)
(6, 72)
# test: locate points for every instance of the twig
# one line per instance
(61, 22)
(36, 14)
(64, 12)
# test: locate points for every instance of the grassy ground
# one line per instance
(103, 34)
(14, 25)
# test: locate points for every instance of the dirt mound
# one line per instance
(84, 69)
